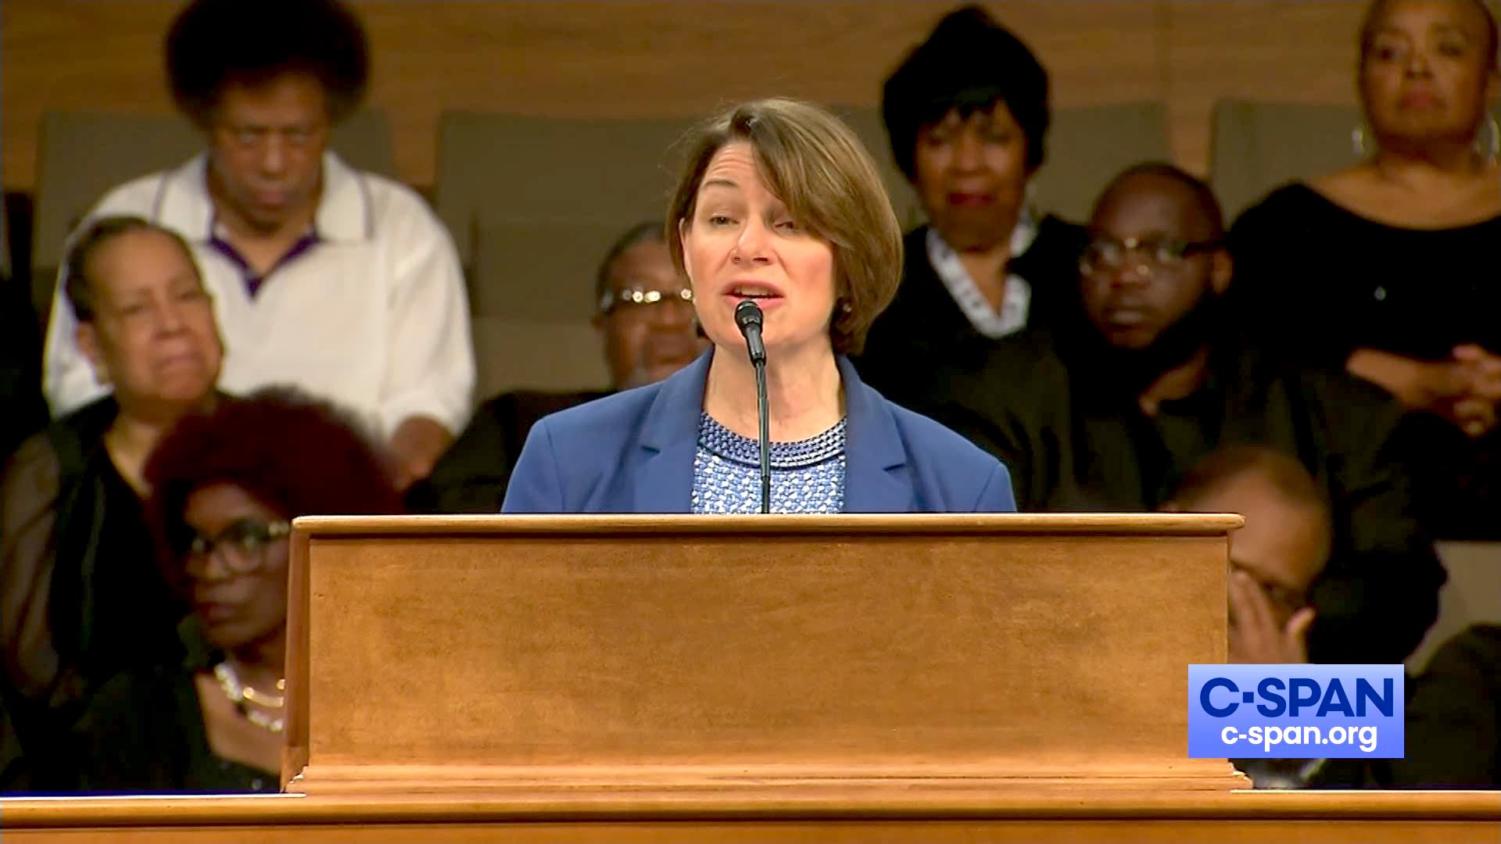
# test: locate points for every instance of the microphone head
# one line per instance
(747, 314)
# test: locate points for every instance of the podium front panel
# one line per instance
(669, 649)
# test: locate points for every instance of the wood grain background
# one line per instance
(627, 58)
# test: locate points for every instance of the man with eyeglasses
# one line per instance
(1109, 416)
(1276, 557)
(323, 276)
(1274, 560)
(643, 310)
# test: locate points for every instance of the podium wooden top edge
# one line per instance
(865, 524)
(230, 810)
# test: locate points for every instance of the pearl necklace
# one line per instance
(238, 693)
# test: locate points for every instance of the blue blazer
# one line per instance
(633, 453)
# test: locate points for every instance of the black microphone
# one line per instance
(748, 317)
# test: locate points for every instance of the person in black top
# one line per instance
(967, 115)
(225, 486)
(80, 596)
(1276, 557)
(1111, 418)
(1274, 560)
(20, 368)
(1453, 735)
(1389, 269)
(644, 313)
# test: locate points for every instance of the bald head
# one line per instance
(1192, 201)
(1156, 261)
(1288, 530)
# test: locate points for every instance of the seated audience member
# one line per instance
(1453, 735)
(1389, 269)
(1276, 557)
(780, 206)
(226, 486)
(80, 594)
(20, 388)
(1274, 560)
(645, 316)
(967, 115)
(336, 280)
(1110, 419)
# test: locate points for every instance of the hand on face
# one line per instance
(1276, 556)
(1257, 633)
(743, 243)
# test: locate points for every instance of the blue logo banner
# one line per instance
(1296, 711)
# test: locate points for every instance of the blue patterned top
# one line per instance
(806, 476)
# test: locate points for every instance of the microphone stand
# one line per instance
(749, 318)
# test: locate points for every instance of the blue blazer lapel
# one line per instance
(669, 440)
(874, 455)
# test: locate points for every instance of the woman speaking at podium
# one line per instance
(783, 227)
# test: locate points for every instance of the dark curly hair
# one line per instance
(215, 43)
(968, 63)
(296, 455)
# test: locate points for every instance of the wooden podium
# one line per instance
(872, 658)
(852, 679)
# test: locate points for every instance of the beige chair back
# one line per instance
(531, 293)
(510, 168)
(1256, 147)
(1087, 147)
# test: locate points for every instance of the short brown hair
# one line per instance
(814, 164)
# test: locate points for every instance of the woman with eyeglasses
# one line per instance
(226, 485)
(1389, 268)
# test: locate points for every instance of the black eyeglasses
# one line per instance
(635, 298)
(241, 546)
(1106, 254)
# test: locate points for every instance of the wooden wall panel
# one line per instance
(675, 57)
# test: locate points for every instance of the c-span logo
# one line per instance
(1295, 711)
